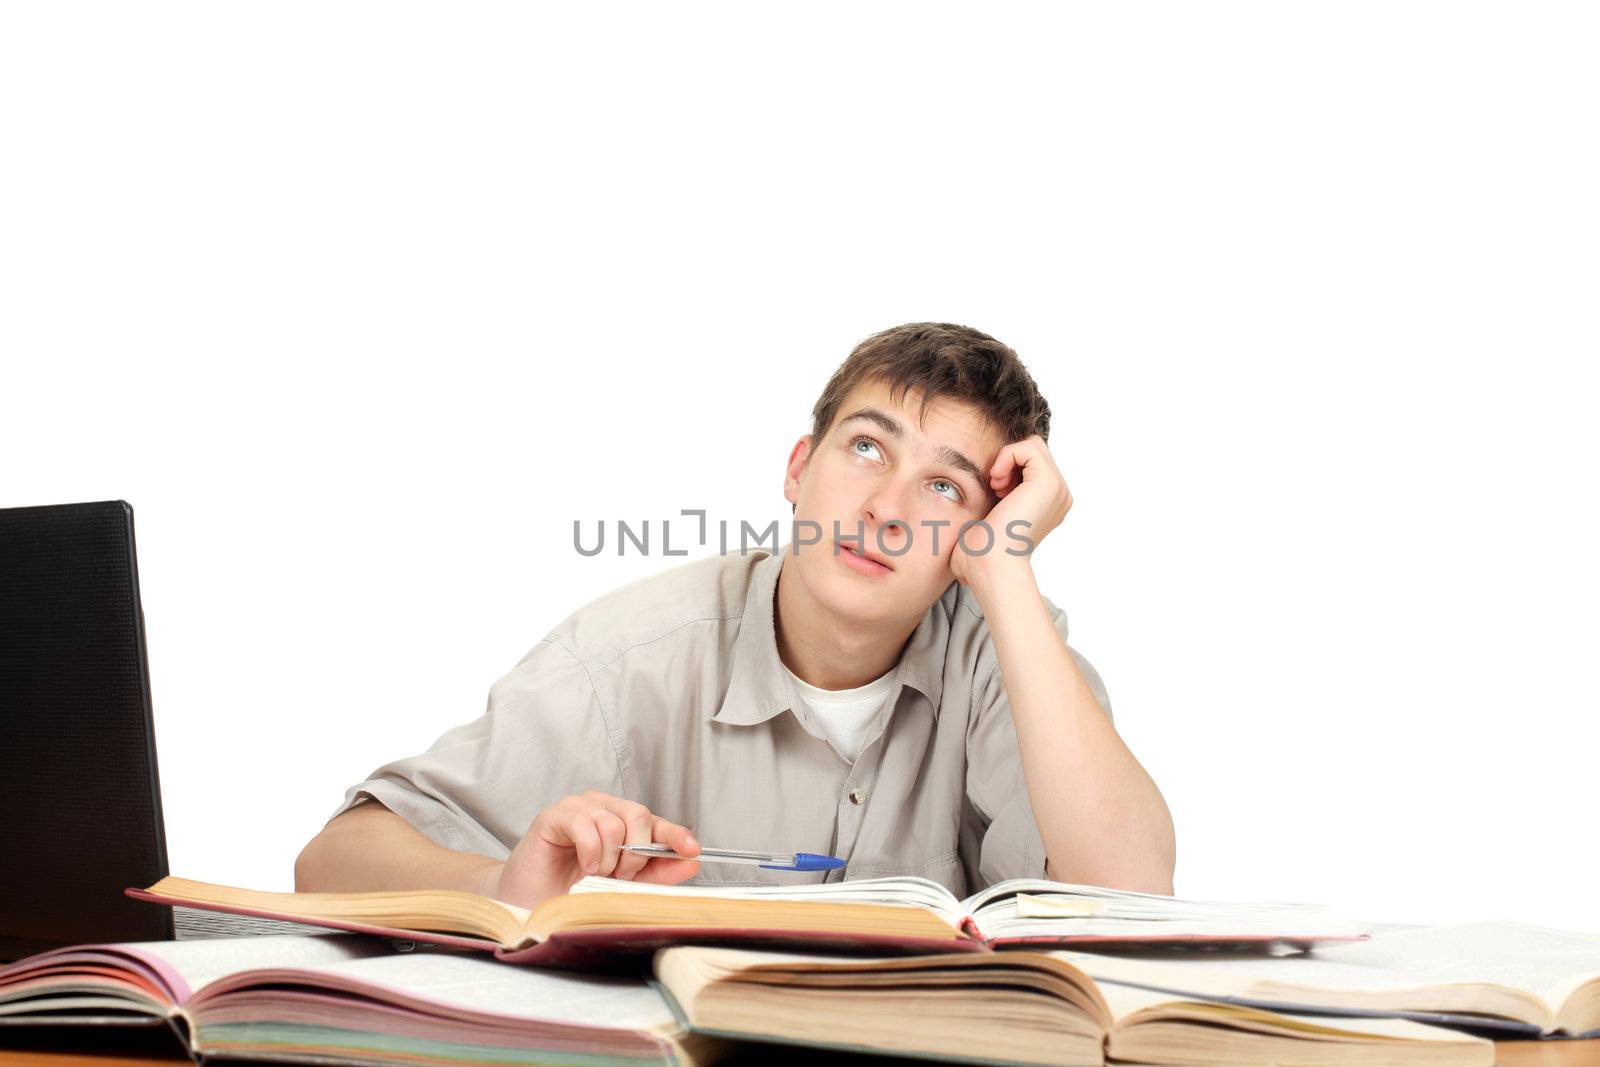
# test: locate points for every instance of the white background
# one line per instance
(362, 305)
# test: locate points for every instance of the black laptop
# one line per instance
(80, 798)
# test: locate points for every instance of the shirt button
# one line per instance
(858, 796)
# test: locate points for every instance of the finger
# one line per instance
(682, 841)
(681, 838)
(668, 872)
(574, 829)
(612, 830)
(1007, 471)
(639, 823)
(1000, 469)
(1020, 457)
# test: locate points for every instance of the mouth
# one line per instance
(862, 562)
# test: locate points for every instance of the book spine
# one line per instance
(184, 1029)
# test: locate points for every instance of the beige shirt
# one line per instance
(845, 715)
(669, 691)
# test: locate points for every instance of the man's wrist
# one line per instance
(993, 579)
(485, 880)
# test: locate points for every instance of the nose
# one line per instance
(883, 511)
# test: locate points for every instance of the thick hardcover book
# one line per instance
(605, 922)
(348, 1000)
(1512, 979)
(1018, 1008)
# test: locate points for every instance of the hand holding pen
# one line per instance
(584, 834)
(595, 833)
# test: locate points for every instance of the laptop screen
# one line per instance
(80, 802)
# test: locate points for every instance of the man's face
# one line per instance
(879, 474)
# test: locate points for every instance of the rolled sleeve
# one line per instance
(1011, 846)
(478, 788)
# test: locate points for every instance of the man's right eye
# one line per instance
(869, 442)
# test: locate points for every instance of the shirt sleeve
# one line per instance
(542, 736)
(1011, 846)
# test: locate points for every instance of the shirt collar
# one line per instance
(760, 688)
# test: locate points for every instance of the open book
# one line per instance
(602, 918)
(1017, 1007)
(1516, 978)
(344, 999)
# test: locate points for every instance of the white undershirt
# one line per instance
(845, 714)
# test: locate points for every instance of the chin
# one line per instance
(862, 599)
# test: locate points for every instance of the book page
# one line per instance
(1011, 886)
(446, 911)
(1509, 970)
(1549, 963)
(1304, 981)
(1135, 1009)
(903, 890)
(1240, 974)
(1129, 897)
(1031, 907)
(202, 962)
(472, 982)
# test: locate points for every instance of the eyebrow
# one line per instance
(944, 453)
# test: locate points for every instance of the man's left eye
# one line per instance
(954, 494)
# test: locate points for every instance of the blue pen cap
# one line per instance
(808, 861)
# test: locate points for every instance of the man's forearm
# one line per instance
(370, 848)
(1102, 819)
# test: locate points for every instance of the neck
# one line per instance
(825, 649)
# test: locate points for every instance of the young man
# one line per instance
(879, 689)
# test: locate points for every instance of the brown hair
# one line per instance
(940, 359)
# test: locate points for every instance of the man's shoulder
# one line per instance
(710, 589)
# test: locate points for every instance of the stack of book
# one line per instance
(618, 971)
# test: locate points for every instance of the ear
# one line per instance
(798, 455)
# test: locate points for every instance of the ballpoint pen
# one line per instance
(777, 861)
